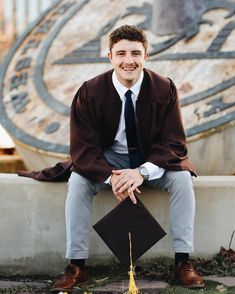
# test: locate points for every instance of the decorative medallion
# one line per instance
(68, 44)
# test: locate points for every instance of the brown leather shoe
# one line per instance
(73, 276)
(187, 275)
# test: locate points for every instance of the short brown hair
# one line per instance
(127, 32)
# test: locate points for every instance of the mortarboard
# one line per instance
(124, 218)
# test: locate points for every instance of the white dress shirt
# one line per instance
(120, 142)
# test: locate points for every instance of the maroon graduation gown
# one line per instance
(94, 120)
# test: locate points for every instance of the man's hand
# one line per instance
(125, 182)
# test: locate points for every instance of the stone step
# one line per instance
(33, 228)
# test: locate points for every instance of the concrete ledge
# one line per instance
(33, 229)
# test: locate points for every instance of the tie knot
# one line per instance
(128, 94)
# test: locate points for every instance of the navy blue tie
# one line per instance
(135, 157)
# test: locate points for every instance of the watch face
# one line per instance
(144, 172)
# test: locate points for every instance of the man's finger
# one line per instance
(126, 186)
(134, 188)
(116, 179)
(132, 197)
(123, 188)
(120, 184)
(116, 171)
(119, 198)
(138, 191)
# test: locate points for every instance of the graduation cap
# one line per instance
(125, 218)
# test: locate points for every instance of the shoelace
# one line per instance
(68, 270)
(189, 266)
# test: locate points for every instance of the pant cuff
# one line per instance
(83, 255)
(183, 250)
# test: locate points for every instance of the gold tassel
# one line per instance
(132, 286)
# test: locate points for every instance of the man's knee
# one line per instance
(181, 186)
(77, 182)
(181, 178)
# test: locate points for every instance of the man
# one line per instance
(103, 154)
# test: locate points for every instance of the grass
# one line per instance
(223, 264)
(162, 269)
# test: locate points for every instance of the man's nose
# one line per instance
(129, 59)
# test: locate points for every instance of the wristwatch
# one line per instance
(144, 172)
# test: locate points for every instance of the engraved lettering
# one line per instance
(222, 36)
(19, 80)
(23, 63)
(46, 26)
(52, 128)
(216, 106)
(32, 44)
(19, 102)
(63, 9)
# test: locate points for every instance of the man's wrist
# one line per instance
(143, 172)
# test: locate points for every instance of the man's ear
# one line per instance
(146, 55)
(110, 55)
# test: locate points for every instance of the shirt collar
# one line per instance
(121, 89)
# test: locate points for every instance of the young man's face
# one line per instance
(128, 58)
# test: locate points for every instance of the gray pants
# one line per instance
(78, 208)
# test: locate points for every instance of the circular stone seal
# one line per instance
(68, 44)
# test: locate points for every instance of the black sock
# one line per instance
(78, 262)
(181, 257)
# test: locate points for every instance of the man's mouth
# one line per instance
(129, 69)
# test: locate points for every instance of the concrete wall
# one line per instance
(32, 227)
